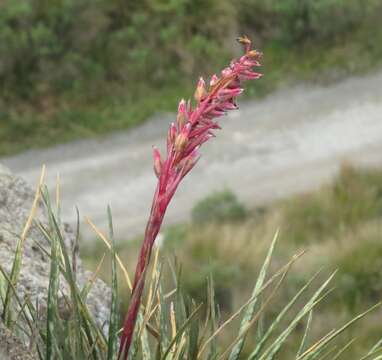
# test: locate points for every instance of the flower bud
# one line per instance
(226, 72)
(254, 54)
(171, 134)
(189, 162)
(181, 118)
(248, 61)
(214, 80)
(157, 162)
(249, 75)
(245, 41)
(200, 91)
(226, 94)
(181, 140)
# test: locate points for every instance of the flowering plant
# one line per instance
(193, 127)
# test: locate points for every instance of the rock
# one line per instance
(16, 199)
(11, 348)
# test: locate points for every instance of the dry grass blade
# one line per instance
(16, 267)
(34, 205)
(181, 331)
(107, 243)
(87, 287)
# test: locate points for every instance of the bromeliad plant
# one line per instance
(166, 326)
(194, 126)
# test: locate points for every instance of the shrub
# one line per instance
(360, 278)
(294, 22)
(218, 207)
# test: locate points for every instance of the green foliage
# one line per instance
(297, 21)
(77, 68)
(360, 279)
(170, 325)
(218, 207)
(338, 225)
(355, 196)
(203, 261)
(62, 45)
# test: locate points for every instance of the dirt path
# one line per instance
(292, 141)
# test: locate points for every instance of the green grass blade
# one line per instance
(81, 313)
(112, 352)
(16, 296)
(52, 300)
(343, 349)
(279, 341)
(193, 338)
(320, 344)
(213, 320)
(304, 339)
(279, 317)
(250, 310)
(375, 348)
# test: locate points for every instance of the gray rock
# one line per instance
(11, 348)
(16, 199)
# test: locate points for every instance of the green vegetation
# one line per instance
(71, 69)
(218, 207)
(338, 226)
(354, 197)
(171, 325)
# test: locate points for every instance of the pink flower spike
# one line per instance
(193, 127)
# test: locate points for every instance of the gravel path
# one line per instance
(292, 141)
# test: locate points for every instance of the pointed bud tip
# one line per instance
(214, 80)
(200, 91)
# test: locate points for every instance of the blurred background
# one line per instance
(88, 86)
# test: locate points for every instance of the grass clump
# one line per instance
(170, 324)
(337, 237)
